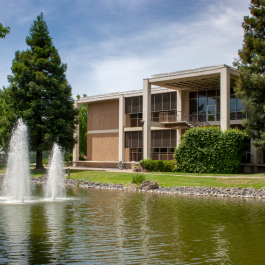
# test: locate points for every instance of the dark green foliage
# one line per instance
(82, 128)
(3, 31)
(40, 93)
(250, 86)
(158, 165)
(209, 150)
(138, 178)
(7, 120)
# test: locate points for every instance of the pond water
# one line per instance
(114, 227)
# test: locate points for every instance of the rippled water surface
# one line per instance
(113, 227)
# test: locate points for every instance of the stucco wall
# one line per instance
(103, 115)
(103, 147)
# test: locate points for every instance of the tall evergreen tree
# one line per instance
(82, 127)
(3, 31)
(7, 120)
(41, 94)
(250, 87)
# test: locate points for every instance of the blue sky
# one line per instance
(112, 45)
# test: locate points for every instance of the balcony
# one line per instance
(178, 117)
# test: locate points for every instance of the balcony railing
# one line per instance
(179, 116)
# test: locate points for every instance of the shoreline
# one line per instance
(197, 191)
(184, 190)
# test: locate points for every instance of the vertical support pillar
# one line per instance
(179, 106)
(121, 128)
(182, 105)
(225, 98)
(146, 118)
(179, 133)
(76, 135)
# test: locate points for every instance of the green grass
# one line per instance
(170, 179)
(2, 168)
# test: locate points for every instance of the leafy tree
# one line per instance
(250, 86)
(3, 31)
(7, 121)
(41, 94)
(82, 127)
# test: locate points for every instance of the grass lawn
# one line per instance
(169, 179)
(172, 179)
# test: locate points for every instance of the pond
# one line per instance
(115, 227)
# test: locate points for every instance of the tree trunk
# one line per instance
(39, 164)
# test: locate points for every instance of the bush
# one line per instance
(209, 150)
(138, 178)
(158, 165)
(82, 157)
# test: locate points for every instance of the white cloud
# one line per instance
(121, 63)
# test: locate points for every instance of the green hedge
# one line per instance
(158, 165)
(209, 150)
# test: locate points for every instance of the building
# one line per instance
(168, 105)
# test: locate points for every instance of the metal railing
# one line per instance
(181, 116)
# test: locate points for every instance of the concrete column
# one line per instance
(147, 118)
(179, 133)
(182, 105)
(179, 106)
(121, 128)
(76, 134)
(225, 98)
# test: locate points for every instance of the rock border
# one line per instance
(197, 191)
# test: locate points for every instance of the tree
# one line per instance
(250, 86)
(82, 127)
(7, 121)
(3, 31)
(41, 94)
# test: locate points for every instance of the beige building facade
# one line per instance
(132, 125)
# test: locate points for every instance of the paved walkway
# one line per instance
(157, 173)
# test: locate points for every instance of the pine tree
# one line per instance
(82, 127)
(4, 31)
(41, 94)
(250, 86)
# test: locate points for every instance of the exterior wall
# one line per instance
(103, 147)
(103, 115)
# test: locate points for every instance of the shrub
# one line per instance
(158, 165)
(138, 178)
(209, 150)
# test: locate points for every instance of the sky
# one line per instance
(112, 45)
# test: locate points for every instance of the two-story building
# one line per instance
(131, 125)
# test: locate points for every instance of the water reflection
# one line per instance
(132, 228)
(14, 227)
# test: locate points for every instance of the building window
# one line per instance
(163, 143)
(134, 105)
(205, 105)
(136, 154)
(162, 153)
(136, 120)
(236, 107)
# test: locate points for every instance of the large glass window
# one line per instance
(205, 105)
(236, 107)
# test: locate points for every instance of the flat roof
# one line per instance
(195, 70)
(117, 94)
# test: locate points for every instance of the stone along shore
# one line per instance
(199, 191)
(154, 188)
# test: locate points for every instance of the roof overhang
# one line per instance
(195, 79)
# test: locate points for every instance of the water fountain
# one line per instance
(16, 186)
(55, 187)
